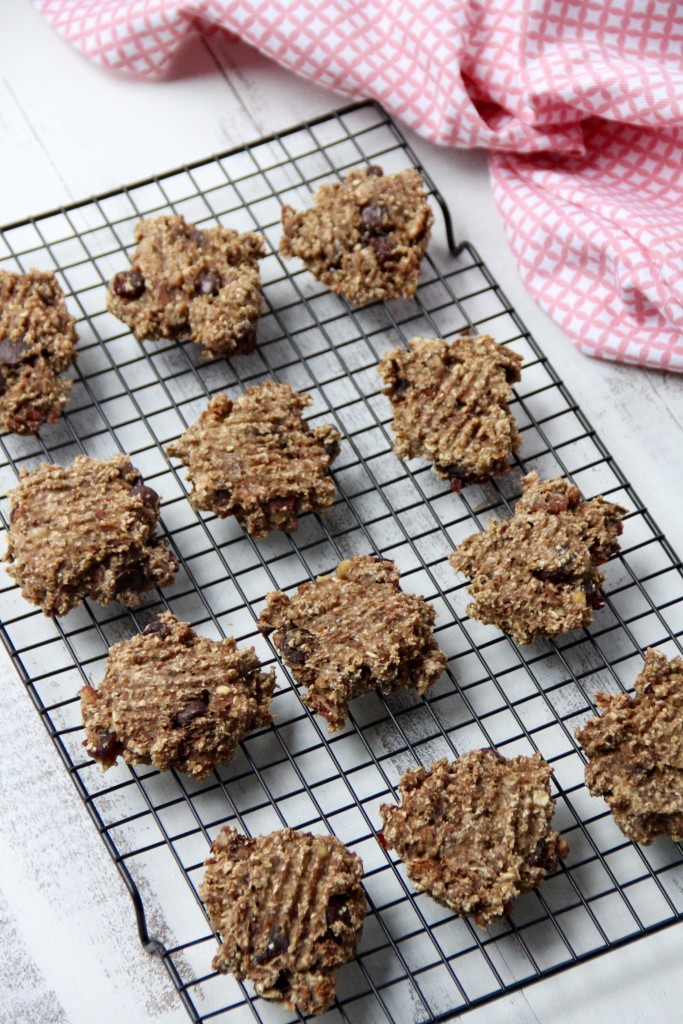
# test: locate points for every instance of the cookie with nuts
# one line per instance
(450, 405)
(175, 699)
(86, 530)
(537, 574)
(635, 752)
(289, 908)
(364, 237)
(475, 833)
(37, 347)
(258, 460)
(353, 633)
(186, 282)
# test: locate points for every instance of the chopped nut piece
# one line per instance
(536, 574)
(475, 833)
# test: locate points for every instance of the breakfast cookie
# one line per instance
(365, 238)
(258, 460)
(289, 908)
(635, 752)
(174, 699)
(37, 346)
(450, 405)
(190, 283)
(86, 530)
(475, 833)
(536, 574)
(352, 633)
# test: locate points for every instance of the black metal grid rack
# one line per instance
(417, 961)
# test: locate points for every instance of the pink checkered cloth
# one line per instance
(579, 101)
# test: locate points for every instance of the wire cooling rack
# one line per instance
(417, 962)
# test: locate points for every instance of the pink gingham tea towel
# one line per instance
(580, 103)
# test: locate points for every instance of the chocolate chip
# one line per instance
(374, 217)
(552, 575)
(12, 351)
(277, 943)
(291, 642)
(332, 449)
(594, 598)
(400, 387)
(130, 578)
(648, 688)
(130, 284)
(283, 982)
(195, 709)
(492, 750)
(148, 495)
(338, 909)
(106, 747)
(208, 283)
(156, 628)
(3, 383)
(376, 170)
(539, 858)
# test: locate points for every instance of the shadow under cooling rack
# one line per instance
(417, 962)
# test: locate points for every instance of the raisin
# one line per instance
(539, 858)
(332, 449)
(208, 283)
(156, 628)
(148, 495)
(594, 598)
(492, 750)
(384, 249)
(373, 216)
(375, 170)
(277, 943)
(222, 500)
(106, 746)
(552, 575)
(195, 709)
(460, 477)
(130, 284)
(12, 351)
(400, 387)
(130, 577)
(245, 345)
(196, 236)
(290, 644)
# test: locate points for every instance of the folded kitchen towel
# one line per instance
(580, 103)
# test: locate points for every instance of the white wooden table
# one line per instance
(68, 946)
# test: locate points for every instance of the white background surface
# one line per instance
(68, 944)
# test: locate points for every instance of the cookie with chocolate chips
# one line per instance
(289, 908)
(364, 238)
(450, 405)
(86, 530)
(174, 699)
(37, 347)
(258, 460)
(475, 833)
(190, 283)
(537, 574)
(353, 633)
(635, 752)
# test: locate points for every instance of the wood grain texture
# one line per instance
(67, 130)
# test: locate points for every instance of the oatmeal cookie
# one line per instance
(289, 908)
(475, 833)
(37, 346)
(352, 633)
(365, 238)
(258, 460)
(635, 752)
(450, 405)
(536, 574)
(174, 699)
(86, 530)
(190, 283)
